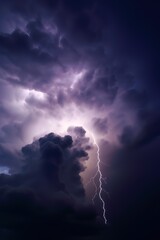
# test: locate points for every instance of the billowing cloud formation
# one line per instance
(60, 158)
(46, 198)
(87, 63)
(64, 68)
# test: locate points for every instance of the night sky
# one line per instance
(79, 81)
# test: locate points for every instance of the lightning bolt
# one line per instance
(101, 180)
(99, 189)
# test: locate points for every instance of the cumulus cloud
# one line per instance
(47, 194)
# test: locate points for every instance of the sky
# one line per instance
(72, 73)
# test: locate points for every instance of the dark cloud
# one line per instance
(43, 199)
(100, 124)
(127, 135)
(77, 131)
(39, 45)
(135, 99)
(9, 158)
(150, 131)
(80, 140)
(133, 187)
(59, 158)
(31, 218)
(11, 130)
(19, 43)
(100, 58)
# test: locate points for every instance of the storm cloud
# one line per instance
(46, 194)
(70, 70)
